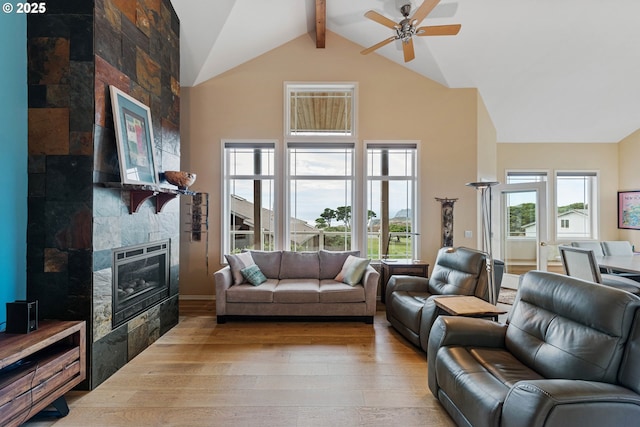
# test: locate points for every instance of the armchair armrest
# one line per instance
(370, 281)
(561, 402)
(464, 331)
(223, 280)
(406, 283)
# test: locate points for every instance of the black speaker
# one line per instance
(22, 317)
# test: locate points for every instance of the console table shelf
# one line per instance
(138, 194)
(38, 368)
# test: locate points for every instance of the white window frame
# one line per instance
(415, 208)
(225, 191)
(290, 87)
(355, 208)
(594, 214)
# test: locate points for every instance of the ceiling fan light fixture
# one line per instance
(408, 26)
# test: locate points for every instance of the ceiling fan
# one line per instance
(408, 27)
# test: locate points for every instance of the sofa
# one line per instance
(300, 285)
(568, 355)
(410, 305)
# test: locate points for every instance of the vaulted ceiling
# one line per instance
(547, 70)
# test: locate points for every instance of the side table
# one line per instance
(407, 267)
(470, 306)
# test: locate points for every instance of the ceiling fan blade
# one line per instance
(381, 19)
(425, 8)
(439, 30)
(378, 45)
(407, 48)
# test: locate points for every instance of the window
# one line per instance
(320, 184)
(249, 196)
(391, 200)
(574, 207)
(321, 188)
(320, 110)
(575, 196)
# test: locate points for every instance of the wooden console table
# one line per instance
(401, 266)
(38, 368)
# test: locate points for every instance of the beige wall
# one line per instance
(574, 156)
(629, 177)
(394, 103)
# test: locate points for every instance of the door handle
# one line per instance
(543, 243)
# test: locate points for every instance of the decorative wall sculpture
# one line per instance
(447, 220)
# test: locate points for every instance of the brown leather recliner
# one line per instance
(409, 300)
(569, 355)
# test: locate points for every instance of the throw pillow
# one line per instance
(237, 262)
(253, 274)
(352, 270)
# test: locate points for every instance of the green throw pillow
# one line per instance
(352, 270)
(253, 275)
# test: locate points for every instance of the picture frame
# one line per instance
(629, 209)
(134, 138)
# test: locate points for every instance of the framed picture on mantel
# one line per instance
(629, 209)
(134, 137)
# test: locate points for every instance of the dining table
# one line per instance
(625, 263)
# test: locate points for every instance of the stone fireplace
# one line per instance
(140, 279)
(79, 214)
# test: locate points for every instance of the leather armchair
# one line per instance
(409, 300)
(567, 356)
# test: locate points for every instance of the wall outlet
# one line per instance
(468, 234)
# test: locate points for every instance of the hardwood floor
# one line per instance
(247, 373)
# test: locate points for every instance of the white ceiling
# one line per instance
(547, 70)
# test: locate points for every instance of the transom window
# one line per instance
(320, 110)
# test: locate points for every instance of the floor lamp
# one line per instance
(485, 208)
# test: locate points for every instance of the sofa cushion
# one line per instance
(253, 275)
(297, 291)
(331, 262)
(332, 291)
(300, 265)
(352, 270)
(237, 262)
(249, 293)
(269, 262)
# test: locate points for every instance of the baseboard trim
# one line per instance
(197, 297)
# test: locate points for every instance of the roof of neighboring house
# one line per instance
(243, 208)
(581, 212)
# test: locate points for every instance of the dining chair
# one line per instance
(595, 246)
(581, 263)
(617, 247)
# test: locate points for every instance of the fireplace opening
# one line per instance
(140, 279)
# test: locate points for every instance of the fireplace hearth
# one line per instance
(140, 279)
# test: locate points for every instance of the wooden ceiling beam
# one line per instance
(321, 22)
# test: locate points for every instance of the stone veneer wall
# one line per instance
(75, 51)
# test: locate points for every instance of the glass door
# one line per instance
(520, 219)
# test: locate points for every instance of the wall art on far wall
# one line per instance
(629, 209)
(134, 137)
